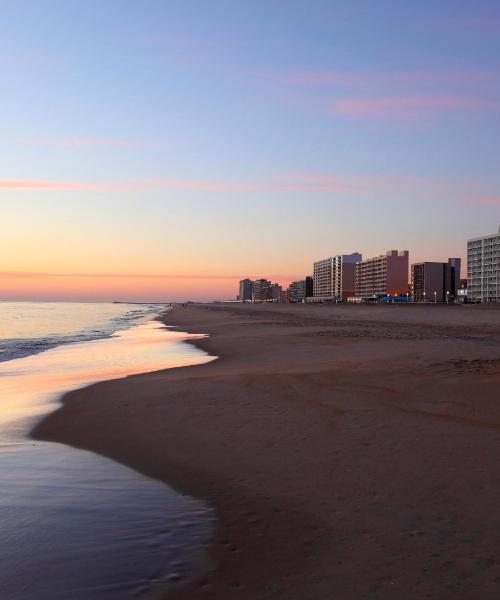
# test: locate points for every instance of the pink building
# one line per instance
(383, 275)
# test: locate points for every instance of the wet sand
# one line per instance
(350, 452)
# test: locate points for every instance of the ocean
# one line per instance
(74, 524)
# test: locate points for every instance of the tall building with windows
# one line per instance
(300, 290)
(483, 268)
(333, 277)
(382, 275)
(436, 281)
(261, 290)
(309, 283)
(296, 291)
(277, 293)
(245, 294)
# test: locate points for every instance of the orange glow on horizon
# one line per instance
(119, 287)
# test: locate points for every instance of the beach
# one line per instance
(349, 452)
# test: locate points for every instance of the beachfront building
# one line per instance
(483, 268)
(296, 291)
(382, 275)
(435, 281)
(299, 290)
(261, 290)
(245, 294)
(309, 283)
(333, 277)
(277, 293)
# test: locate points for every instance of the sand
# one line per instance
(350, 452)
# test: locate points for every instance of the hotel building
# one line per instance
(483, 268)
(300, 290)
(382, 275)
(245, 294)
(333, 278)
(435, 281)
(277, 293)
(261, 290)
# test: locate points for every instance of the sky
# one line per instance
(160, 151)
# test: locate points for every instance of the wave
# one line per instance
(12, 348)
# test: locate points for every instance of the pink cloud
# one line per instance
(182, 184)
(400, 94)
(409, 107)
(487, 200)
(284, 182)
(280, 182)
(66, 186)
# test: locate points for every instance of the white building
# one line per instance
(333, 278)
(483, 268)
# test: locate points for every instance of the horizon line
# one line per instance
(34, 275)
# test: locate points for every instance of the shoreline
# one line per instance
(303, 437)
(89, 514)
(183, 481)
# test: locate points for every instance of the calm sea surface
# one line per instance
(75, 525)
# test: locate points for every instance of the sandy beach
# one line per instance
(350, 452)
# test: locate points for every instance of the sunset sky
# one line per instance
(163, 150)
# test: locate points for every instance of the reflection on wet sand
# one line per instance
(74, 524)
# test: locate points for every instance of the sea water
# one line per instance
(75, 525)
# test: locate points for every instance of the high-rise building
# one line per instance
(333, 277)
(245, 294)
(483, 268)
(382, 275)
(435, 281)
(300, 290)
(277, 293)
(296, 291)
(309, 286)
(261, 290)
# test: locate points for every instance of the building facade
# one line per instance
(309, 283)
(483, 268)
(245, 294)
(261, 290)
(382, 275)
(333, 277)
(299, 290)
(277, 293)
(435, 281)
(296, 291)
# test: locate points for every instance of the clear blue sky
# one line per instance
(233, 138)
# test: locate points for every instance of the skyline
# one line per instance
(211, 143)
